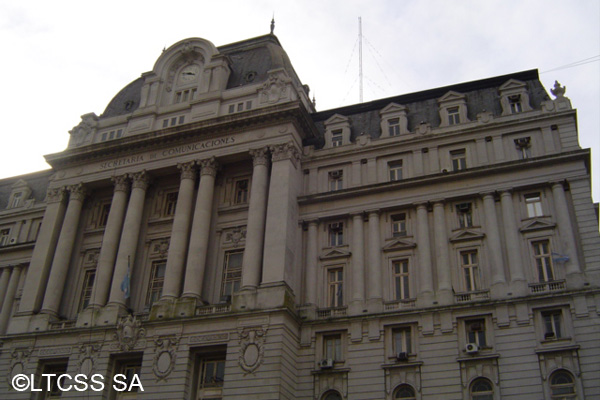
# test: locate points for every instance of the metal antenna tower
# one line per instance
(360, 71)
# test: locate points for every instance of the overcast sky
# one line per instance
(63, 59)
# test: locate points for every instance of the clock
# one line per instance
(189, 73)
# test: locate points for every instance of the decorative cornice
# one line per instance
(260, 156)
(188, 170)
(208, 166)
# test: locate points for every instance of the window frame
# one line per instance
(5, 236)
(337, 137)
(404, 386)
(231, 279)
(533, 204)
(87, 288)
(464, 213)
(399, 221)
(239, 190)
(476, 332)
(458, 159)
(542, 262)
(335, 234)
(401, 280)
(481, 395)
(393, 126)
(335, 279)
(169, 203)
(561, 386)
(395, 172)
(453, 113)
(155, 283)
(335, 180)
(471, 281)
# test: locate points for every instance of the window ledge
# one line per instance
(402, 364)
(563, 347)
(484, 356)
(334, 370)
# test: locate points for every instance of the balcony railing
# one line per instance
(213, 309)
(472, 296)
(334, 312)
(61, 325)
(399, 305)
(547, 287)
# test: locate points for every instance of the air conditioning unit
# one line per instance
(336, 174)
(326, 363)
(402, 356)
(463, 207)
(549, 335)
(335, 226)
(472, 348)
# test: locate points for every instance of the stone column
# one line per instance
(311, 263)
(374, 292)
(513, 245)
(358, 264)
(64, 250)
(198, 246)
(4, 284)
(129, 236)
(442, 256)
(43, 252)
(110, 242)
(425, 296)
(494, 247)
(257, 210)
(567, 237)
(9, 298)
(180, 232)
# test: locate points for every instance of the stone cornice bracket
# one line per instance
(188, 170)
(77, 192)
(260, 156)
(141, 180)
(208, 166)
(121, 183)
(285, 151)
(55, 195)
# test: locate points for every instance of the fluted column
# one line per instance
(311, 263)
(442, 255)
(567, 237)
(64, 249)
(180, 231)
(494, 245)
(424, 253)
(130, 235)
(198, 246)
(43, 252)
(358, 261)
(9, 298)
(375, 292)
(513, 244)
(4, 284)
(110, 242)
(257, 210)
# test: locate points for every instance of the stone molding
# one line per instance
(77, 192)
(121, 183)
(129, 330)
(55, 195)
(141, 180)
(252, 347)
(208, 166)
(164, 356)
(188, 170)
(260, 156)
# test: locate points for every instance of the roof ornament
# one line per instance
(314, 102)
(273, 23)
(558, 91)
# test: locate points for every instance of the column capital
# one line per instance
(422, 205)
(438, 203)
(373, 212)
(285, 151)
(188, 170)
(141, 180)
(487, 194)
(121, 183)
(55, 195)
(208, 166)
(76, 192)
(554, 184)
(260, 156)
(505, 192)
(311, 221)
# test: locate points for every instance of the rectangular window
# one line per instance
(395, 170)
(240, 107)
(534, 205)
(232, 274)
(336, 180)
(336, 234)
(470, 269)
(103, 216)
(335, 285)
(399, 225)
(552, 324)
(56, 368)
(336, 138)
(165, 123)
(119, 133)
(128, 368)
(170, 204)
(543, 260)
(476, 332)
(16, 200)
(523, 146)
(453, 116)
(332, 347)
(459, 159)
(86, 292)
(402, 342)
(111, 135)
(465, 215)
(181, 120)
(249, 105)
(211, 376)
(104, 136)
(4, 236)
(157, 280)
(394, 126)
(401, 279)
(231, 108)
(515, 104)
(241, 191)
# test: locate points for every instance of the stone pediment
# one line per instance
(399, 244)
(512, 84)
(392, 108)
(536, 225)
(466, 235)
(329, 254)
(336, 119)
(451, 96)
(20, 184)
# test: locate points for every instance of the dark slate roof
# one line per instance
(481, 95)
(37, 181)
(126, 101)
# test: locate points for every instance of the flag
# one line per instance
(560, 257)
(125, 284)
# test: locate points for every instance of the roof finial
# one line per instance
(273, 23)
(314, 102)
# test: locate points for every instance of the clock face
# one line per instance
(189, 73)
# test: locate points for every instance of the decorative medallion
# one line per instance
(129, 330)
(252, 348)
(88, 356)
(164, 357)
(18, 363)
(235, 236)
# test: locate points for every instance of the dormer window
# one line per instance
(394, 126)
(453, 109)
(185, 95)
(19, 194)
(515, 103)
(514, 97)
(16, 200)
(393, 120)
(336, 138)
(337, 131)
(453, 116)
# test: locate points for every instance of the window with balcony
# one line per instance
(401, 279)
(395, 170)
(336, 180)
(470, 270)
(543, 260)
(157, 280)
(458, 159)
(335, 287)
(475, 331)
(464, 211)
(232, 274)
(533, 201)
(399, 225)
(336, 234)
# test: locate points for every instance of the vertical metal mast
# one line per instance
(360, 72)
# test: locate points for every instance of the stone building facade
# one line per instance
(213, 233)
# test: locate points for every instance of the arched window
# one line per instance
(332, 395)
(562, 385)
(482, 389)
(405, 392)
